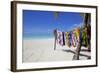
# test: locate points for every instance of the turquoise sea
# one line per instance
(38, 37)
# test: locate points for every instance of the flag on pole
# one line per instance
(60, 38)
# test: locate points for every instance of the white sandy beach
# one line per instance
(42, 50)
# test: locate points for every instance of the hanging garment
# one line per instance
(84, 38)
(67, 39)
(70, 38)
(73, 39)
(60, 38)
(77, 34)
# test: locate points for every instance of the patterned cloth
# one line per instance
(67, 39)
(84, 38)
(60, 38)
(77, 32)
(73, 39)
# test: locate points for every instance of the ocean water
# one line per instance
(38, 37)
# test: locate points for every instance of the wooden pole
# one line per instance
(55, 37)
(77, 52)
(86, 22)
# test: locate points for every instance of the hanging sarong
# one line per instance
(70, 38)
(77, 34)
(67, 39)
(73, 39)
(60, 38)
(84, 38)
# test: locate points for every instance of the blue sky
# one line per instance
(42, 23)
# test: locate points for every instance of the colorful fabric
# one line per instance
(60, 38)
(77, 36)
(67, 38)
(84, 38)
(70, 38)
(78, 33)
(73, 39)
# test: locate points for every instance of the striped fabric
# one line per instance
(73, 39)
(60, 38)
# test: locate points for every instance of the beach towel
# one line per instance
(60, 38)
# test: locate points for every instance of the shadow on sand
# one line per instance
(81, 54)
